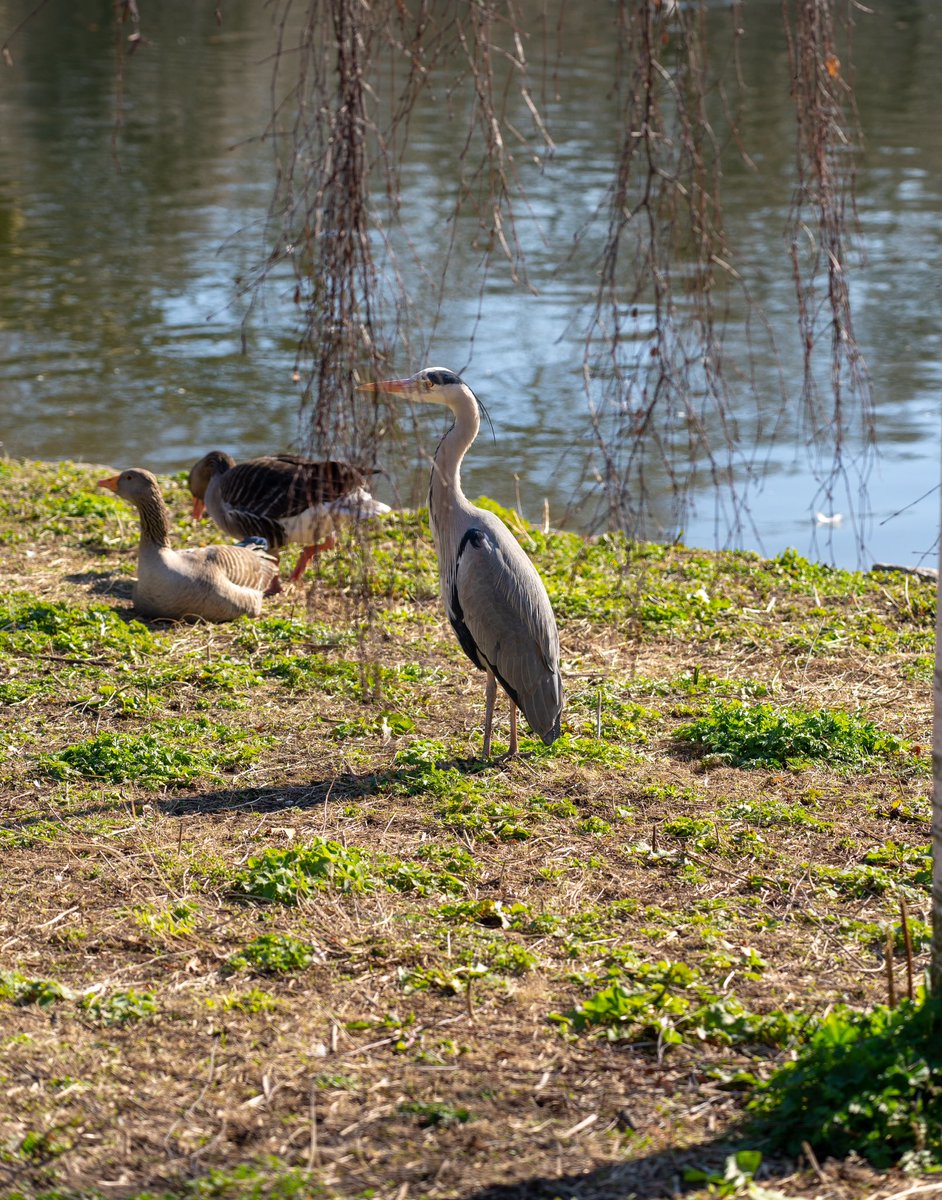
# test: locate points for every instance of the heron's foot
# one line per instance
(512, 751)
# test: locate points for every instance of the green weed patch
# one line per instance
(760, 735)
(28, 625)
(22, 990)
(182, 752)
(669, 1002)
(290, 876)
(273, 954)
(120, 1008)
(869, 1082)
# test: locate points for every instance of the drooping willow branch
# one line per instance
(347, 78)
(823, 220)
(654, 357)
(319, 129)
(662, 409)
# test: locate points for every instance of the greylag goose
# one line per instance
(217, 583)
(282, 498)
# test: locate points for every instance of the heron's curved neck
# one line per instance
(445, 487)
(155, 521)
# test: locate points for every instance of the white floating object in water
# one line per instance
(821, 519)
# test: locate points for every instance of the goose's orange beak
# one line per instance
(111, 483)
(198, 508)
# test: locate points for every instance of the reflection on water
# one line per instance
(120, 314)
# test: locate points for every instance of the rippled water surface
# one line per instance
(120, 311)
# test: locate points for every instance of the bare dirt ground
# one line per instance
(269, 926)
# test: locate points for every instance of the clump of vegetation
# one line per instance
(173, 922)
(120, 757)
(120, 1008)
(22, 990)
(864, 1081)
(498, 915)
(766, 812)
(289, 876)
(451, 981)
(28, 624)
(273, 954)
(482, 816)
(761, 735)
(418, 878)
(254, 1000)
(737, 1179)
(668, 1001)
(180, 753)
(435, 1112)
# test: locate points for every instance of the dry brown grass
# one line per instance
(323, 1081)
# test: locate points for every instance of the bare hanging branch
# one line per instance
(823, 220)
(319, 130)
(341, 116)
(125, 13)
(654, 357)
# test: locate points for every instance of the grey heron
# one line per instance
(495, 600)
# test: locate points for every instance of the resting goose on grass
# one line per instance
(217, 583)
(282, 498)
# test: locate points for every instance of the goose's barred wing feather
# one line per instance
(283, 485)
(244, 566)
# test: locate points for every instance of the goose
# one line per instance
(217, 583)
(282, 498)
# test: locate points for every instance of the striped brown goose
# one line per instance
(217, 583)
(282, 498)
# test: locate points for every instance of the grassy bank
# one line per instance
(269, 927)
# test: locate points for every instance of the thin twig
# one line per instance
(890, 980)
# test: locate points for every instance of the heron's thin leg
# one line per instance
(490, 694)
(512, 748)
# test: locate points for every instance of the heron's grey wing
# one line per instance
(242, 565)
(502, 605)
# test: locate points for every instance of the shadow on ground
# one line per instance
(661, 1175)
(344, 787)
(273, 799)
(104, 583)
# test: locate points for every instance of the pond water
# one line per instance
(121, 314)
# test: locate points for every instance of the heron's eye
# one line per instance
(427, 384)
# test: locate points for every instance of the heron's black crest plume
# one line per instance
(443, 378)
(489, 421)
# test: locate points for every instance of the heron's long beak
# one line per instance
(198, 508)
(391, 386)
(111, 483)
